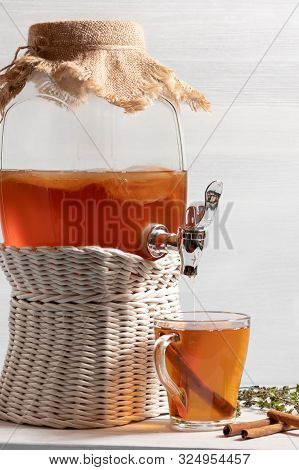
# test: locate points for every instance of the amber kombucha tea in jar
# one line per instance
(86, 208)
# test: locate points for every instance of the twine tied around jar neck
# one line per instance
(106, 58)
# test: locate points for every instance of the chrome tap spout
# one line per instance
(190, 238)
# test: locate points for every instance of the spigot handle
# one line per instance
(212, 196)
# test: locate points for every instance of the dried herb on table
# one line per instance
(279, 398)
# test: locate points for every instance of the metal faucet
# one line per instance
(190, 238)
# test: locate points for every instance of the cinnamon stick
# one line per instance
(287, 418)
(265, 430)
(236, 429)
(197, 385)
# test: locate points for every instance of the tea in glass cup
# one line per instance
(200, 358)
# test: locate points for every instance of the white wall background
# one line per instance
(250, 141)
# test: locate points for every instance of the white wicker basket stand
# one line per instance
(81, 336)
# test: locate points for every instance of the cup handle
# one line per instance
(177, 394)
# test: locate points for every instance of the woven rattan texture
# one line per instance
(81, 336)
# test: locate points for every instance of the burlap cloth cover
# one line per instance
(106, 58)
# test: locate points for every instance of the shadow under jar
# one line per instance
(200, 358)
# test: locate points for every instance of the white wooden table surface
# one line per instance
(150, 434)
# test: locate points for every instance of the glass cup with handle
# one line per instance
(199, 358)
